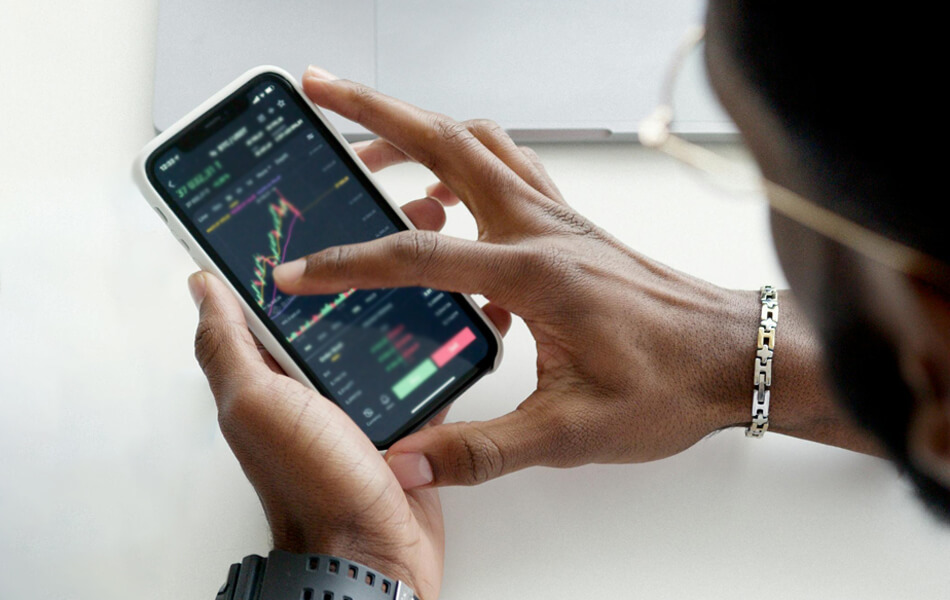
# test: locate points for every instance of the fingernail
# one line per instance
(411, 469)
(318, 73)
(290, 272)
(198, 287)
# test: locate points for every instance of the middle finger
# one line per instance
(446, 147)
(425, 213)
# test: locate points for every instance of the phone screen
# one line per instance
(259, 181)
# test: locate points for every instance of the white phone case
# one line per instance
(204, 261)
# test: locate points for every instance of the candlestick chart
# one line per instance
(319, 316)
(277, 242)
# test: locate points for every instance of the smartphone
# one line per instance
(257, 176)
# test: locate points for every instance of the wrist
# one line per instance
(394, 558)
(801, 403)
(385, 563)
(804, 404)
(289, 576)
(734, 318)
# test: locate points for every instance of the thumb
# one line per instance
(224, 346)
(474, 452)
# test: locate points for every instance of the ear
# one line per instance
(928, 441)
(928, 371)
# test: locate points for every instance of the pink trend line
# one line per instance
(283, 254)
(238, 208)
(290, 232)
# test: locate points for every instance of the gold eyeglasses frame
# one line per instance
(656, 132)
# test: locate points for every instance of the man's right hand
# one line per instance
(636, 361)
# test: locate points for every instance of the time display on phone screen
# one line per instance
(273, 185)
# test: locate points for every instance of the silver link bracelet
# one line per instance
(762, 383)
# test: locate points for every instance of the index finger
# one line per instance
(438, 142)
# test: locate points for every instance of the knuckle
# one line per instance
(335, 260)
(216, 341)
(363, 97)
(438, 130)
(361, 90)
(415, 250)
(208, 345)
(479, 458)
(447, 129)
(242, 407)
(485, 128)
(530, 153)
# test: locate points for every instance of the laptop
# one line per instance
(546, 70)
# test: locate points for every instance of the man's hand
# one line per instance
(635, 360)
(324, 486)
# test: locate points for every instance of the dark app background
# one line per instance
(270, 187)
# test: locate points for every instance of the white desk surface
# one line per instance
(115, 482)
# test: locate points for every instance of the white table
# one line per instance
(115, 482)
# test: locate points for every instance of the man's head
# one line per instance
(823, 100)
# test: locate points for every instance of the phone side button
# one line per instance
(184, 245)
(161, 214)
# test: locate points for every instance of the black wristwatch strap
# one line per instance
(288, 576)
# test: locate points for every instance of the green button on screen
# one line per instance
(414, 379)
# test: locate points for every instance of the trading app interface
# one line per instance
(270, 187)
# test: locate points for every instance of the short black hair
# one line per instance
(845, 82)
